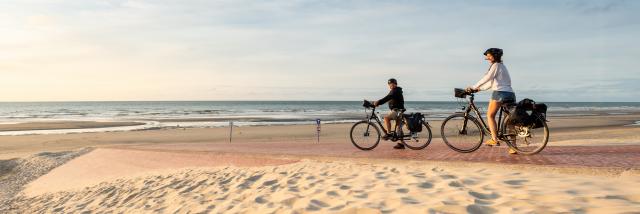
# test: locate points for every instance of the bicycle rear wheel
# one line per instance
(528, 140)
(416, 140)
(365, 135)
(462, 133)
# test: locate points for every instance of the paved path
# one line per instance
(626, 157)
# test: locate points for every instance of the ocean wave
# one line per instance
(153, 125)
(251, 113)
(147, 125)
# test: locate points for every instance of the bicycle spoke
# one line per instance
(416, 140)
(364, 135)
(529, 140)
(461, 134)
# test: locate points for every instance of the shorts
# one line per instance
(393, 115)
(503, 96)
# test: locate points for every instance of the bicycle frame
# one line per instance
(373, 116)
(485, 127)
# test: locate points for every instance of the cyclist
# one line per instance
(498, 80)
(396, 105)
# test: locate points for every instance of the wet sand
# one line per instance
(583, 130)
(63, 125)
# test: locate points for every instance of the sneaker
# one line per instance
(491, 142)
(512, 151)
(399, 146)
(386, 136)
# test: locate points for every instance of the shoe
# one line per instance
(386, 136)
(399, 146)
(491, 142)
(512, 151)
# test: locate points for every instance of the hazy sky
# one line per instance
(59, 50)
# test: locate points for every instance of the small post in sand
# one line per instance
(230, 130)
(318, 129)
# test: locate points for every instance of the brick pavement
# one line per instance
(626, 157)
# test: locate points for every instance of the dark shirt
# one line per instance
(395, 99)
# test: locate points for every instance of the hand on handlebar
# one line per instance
(471, 90)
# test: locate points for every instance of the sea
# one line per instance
(186, 114)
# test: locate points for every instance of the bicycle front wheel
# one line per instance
(462, 133)
(365, 135)
(416, 140)
(528, 140)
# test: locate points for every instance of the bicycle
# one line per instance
(465, 137)
(365, 134)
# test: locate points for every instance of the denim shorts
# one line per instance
(503, 96)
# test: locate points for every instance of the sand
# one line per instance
(102, 165)
(16, 173)
(586, 130)
(152, 172)
(347, 187)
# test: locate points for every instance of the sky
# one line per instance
(122, 50)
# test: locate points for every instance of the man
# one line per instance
(396, 105)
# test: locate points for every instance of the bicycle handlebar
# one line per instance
(368, 104)
(462, 93)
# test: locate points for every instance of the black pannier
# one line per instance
(528, 113)
(415, 121)
(539, 111)
(519, 117)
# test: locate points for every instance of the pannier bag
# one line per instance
(415, 121)
(539, 111)
(528, 113)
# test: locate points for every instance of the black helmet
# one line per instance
(392, 80)
(495, 52)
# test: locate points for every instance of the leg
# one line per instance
(491, 117)
(387, 123)
(393, 115)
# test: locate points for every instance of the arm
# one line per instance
(487, 78)
(385, 98)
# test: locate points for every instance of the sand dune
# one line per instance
(16, 173)
(101, 165)
(348, 187)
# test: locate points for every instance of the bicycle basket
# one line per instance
(460, 93)
(367, 104)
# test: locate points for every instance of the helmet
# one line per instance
(495, 52)
(392, 80)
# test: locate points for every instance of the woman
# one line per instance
(498, 80)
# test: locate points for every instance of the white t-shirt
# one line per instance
(497, 79)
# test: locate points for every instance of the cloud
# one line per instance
(331, 50)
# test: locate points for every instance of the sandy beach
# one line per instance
(282, 169)
(281, 107)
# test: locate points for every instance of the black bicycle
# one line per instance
(463, 133)
(365, 134)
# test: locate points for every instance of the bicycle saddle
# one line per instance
(399, 109)
(509, 105)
